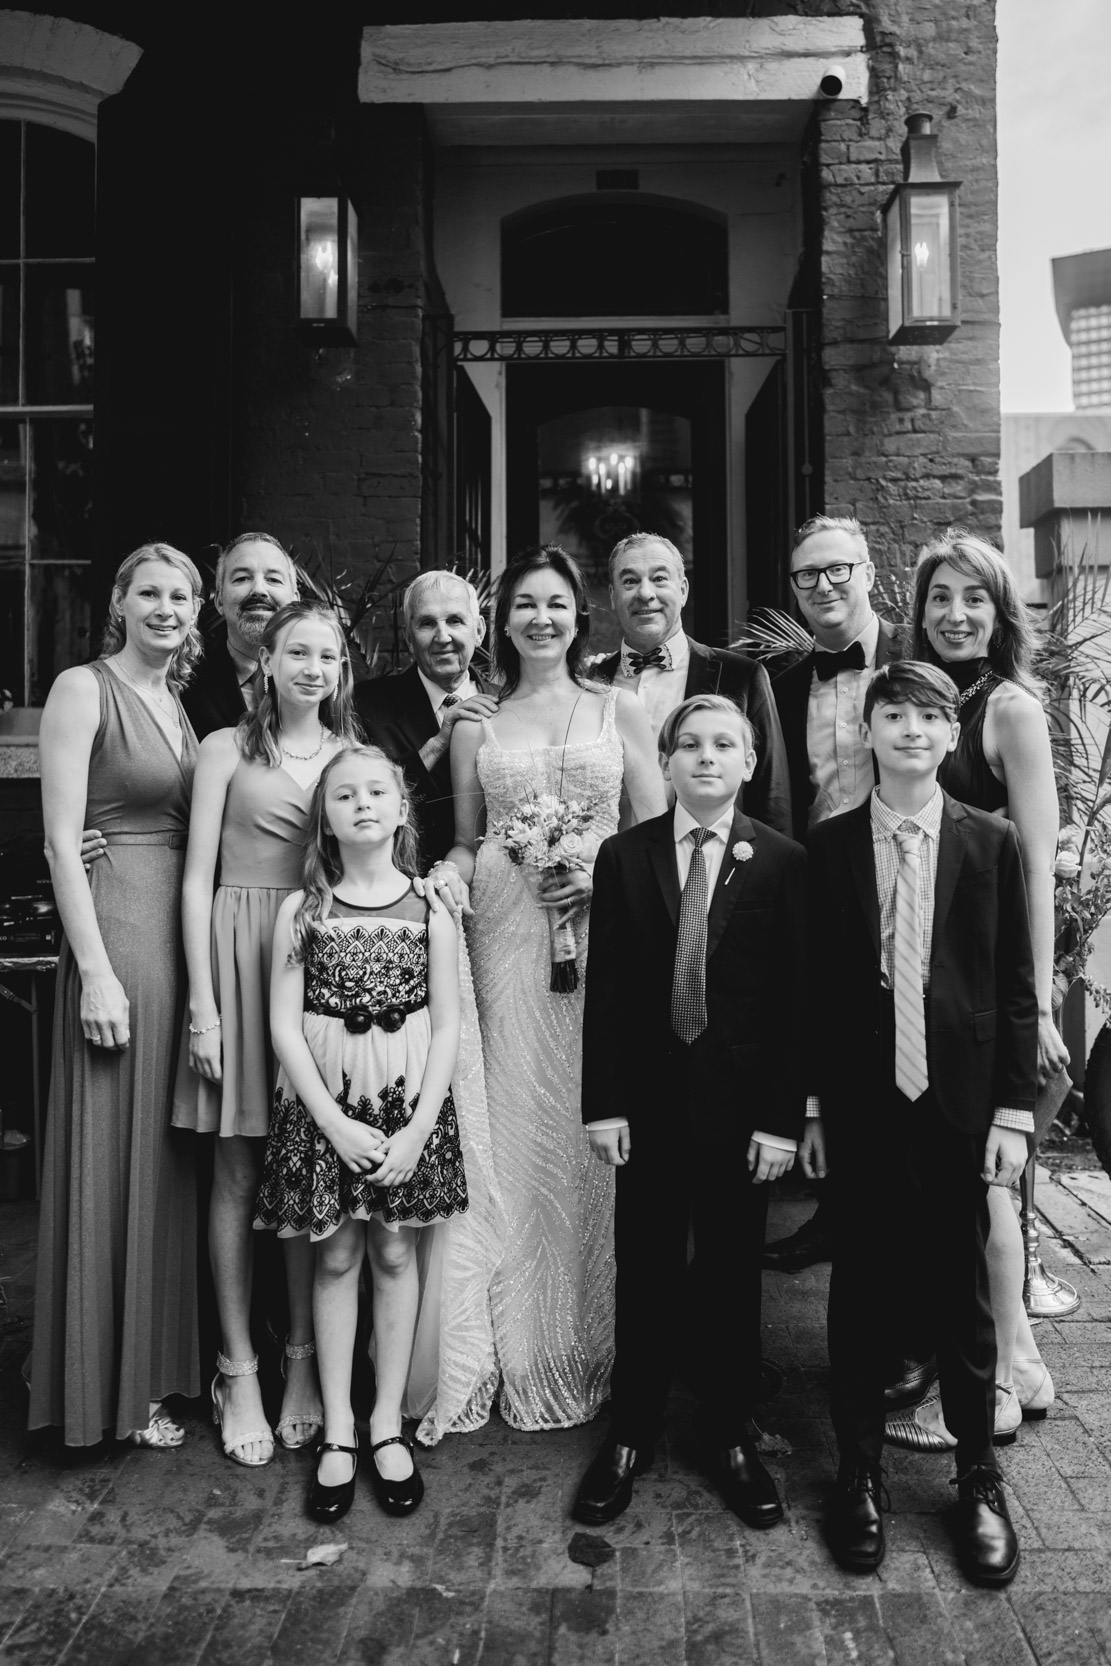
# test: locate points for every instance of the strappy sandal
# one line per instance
(233, 1448)
(314, 1420)
(161, 1433)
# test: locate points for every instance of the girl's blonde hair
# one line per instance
(322, 869)
(188, 656)
(259, 731)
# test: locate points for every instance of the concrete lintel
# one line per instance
(56, 71)
(1065, 480)
(627, 61)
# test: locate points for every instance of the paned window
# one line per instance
(47, 218)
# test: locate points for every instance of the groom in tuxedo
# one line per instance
(412, 715)
(691, 1089)
(663, 666)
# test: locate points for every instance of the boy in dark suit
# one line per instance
(922, 1020)
(691, 1089)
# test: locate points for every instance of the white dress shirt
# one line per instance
(659, 692)
(713, 854)
(841, 765)
(437, 695)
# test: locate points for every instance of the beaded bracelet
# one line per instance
(204, 1028)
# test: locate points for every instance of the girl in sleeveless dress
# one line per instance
(551, 1301)
(364, 1143)
(250, 812)
(115, 1296)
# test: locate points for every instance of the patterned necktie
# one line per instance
(659, 656)
(445, 704)
(688, 984)
(911, 1075)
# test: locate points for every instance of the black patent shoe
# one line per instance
(854, 1527)
(745, 1484)
(916, 1378)
(397, 1498)
(331, 1503)
(987, 1548)
(606, 1489)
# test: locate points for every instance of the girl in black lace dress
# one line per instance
(363, 1145)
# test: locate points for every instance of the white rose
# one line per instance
(570, 844)
(1067, 865)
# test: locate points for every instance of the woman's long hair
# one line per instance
(187, 657)
(321, 870)
(534, 560)
(259, 731)
(1012, 645)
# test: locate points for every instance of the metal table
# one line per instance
(33, 964)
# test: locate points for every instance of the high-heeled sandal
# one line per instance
(314, 1419)
(330, 1503)
(226, 1367)
(397, 1498)
(161, 1433)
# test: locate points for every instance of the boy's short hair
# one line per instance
(913, 681)
(669, 731)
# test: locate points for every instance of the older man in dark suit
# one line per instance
(412, 715)
(820, 701)
(663, 666)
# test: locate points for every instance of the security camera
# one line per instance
(833, 81)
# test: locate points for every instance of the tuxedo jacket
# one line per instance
(791, 692)
(754, 977)
(717, 671)
(214, 700)
(982, 1029)
(397, 715)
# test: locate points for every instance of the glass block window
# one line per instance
(47, 221)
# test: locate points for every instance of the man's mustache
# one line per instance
(252, 604)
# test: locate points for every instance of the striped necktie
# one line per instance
(688, 984)
(911, 1075)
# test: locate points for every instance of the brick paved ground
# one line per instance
(180, 1558)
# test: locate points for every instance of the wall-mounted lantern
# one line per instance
(327, 267)
(923, 277)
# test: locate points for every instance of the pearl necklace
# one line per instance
(974, 688)
(147, 693)
(307, 757)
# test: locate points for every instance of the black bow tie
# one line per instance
(659, 656)
(847, 659)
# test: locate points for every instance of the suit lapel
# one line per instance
(701, 669)
(416, 715)
(950, 860)
(862, 863)
(661, 858)
(732, 878)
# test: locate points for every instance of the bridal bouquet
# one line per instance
(549, 835)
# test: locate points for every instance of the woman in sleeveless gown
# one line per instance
(969, 618)
(250, 812)
(548, 1345)
(115, 1296)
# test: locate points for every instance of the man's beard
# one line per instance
(251, 625)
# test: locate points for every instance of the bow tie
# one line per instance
(847, 659)
(660, 656)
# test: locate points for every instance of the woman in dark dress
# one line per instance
(115, 1299)
(969, 617)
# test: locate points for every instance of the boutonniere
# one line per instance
(742, 851)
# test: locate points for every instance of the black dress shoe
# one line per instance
(916, 1378)
(397, 1498)
(607, 1487)
(854, 1527)
(987, 1548)
(746, 1486)
(330, 1503)
(803, 1248)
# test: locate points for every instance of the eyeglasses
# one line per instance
(838, 572)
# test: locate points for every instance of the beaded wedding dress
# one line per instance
(551, 1299)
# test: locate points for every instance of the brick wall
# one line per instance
(911, 433)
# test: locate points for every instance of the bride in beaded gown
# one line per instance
(545, 1347)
